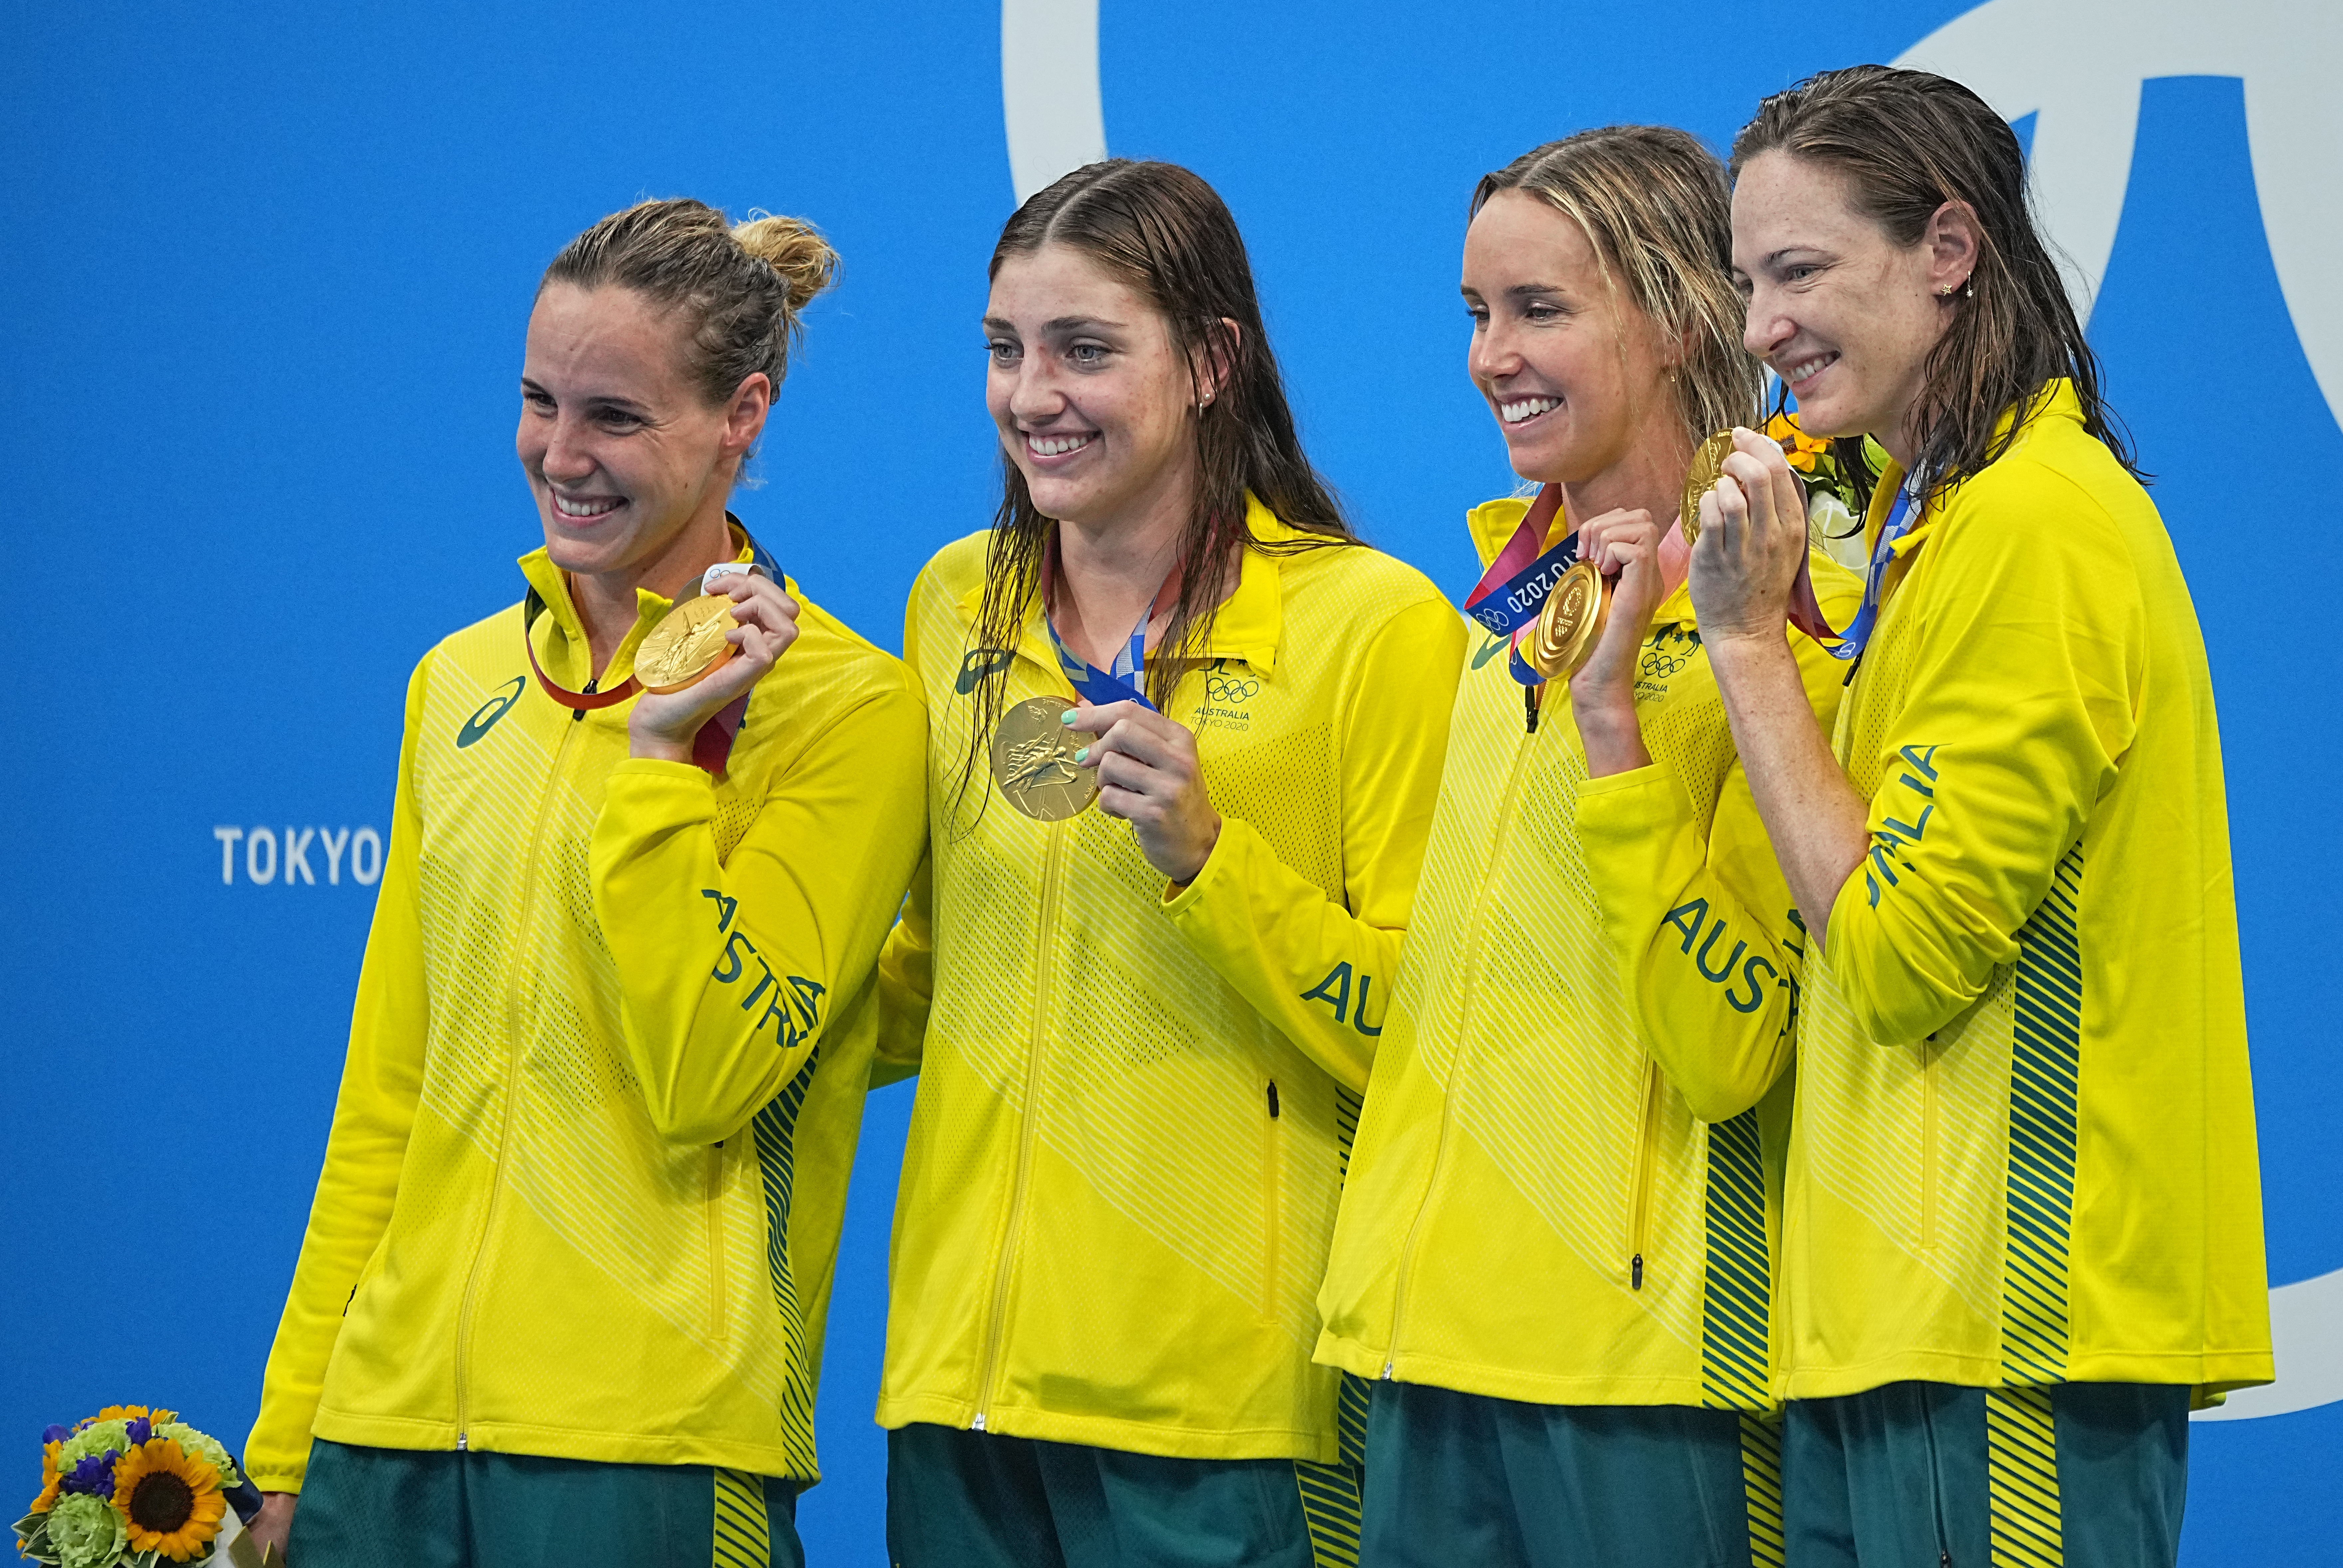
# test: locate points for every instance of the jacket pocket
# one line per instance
(1929, 1158)
(714, 1206)
(1639, 1187)
(1272, 1197)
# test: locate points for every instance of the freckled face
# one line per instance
(1092, 398)
(620, 451)
(1845, 316)
(1568, 368)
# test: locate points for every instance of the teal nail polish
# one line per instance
(1069, 715)
(1085, 751)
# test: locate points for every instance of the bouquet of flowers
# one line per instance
(1834, 522)
(132, 1486)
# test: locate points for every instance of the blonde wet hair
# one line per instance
(742, 289)
(1653, 205)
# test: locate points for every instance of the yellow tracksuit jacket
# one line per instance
(606, 1071)
(1134, 1108)
(1549, 1203)
(2023, 1151)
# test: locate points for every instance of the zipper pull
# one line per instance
(1529, 710)
(977, 1424)
(578, 715)
(1635, 1270)
(463, 1440)
(1387, 1372)
(1272, 1100)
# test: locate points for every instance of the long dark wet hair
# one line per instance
(1162, 231)
(1909, 142)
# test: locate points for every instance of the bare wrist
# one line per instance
(1604, 716)
(657, 749)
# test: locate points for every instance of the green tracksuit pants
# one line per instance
(2080, 1475)
(1465, 1481)
(975, 1499)
(412, 1508)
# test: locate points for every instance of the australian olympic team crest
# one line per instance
(1228, 695)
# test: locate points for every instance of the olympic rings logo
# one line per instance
(1660, 665)
(1229, 689)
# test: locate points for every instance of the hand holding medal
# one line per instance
(1624, 547)
(1146, 773)
(1745, 516)
(707, 651)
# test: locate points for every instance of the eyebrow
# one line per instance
(1523, 290)
(604, 399)
(1056, 324)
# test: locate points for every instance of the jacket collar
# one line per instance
(2057, 400)
(1250, 622)
(1492, 523)
(560, 636)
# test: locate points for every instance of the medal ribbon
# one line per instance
(711, 748)
(1510, 593)
(1125, 681)
(1807, 616)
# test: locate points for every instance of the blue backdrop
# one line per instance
(264, 270)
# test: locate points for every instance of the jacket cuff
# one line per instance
(1620, 806)
(646, 786)
(1212, 885)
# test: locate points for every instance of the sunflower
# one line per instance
(50, 1477)
(1801, 449)
(171, 1498)
(126, 1412)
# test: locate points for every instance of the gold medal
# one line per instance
(685, 646)
(1570, 623)
(1033, 761)
(1707, 467)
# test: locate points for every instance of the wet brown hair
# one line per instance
(1653, 205)
(1162, 230)
(741, 289)
(1908, 142)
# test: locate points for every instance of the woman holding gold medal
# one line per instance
(2022, 1214)
(1186, 733)
(560, 1297)
(1554, 1254)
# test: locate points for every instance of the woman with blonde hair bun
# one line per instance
(1552, 1259)
(560, 1297)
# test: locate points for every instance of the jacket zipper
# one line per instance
(1456, 1064)
(504, 1127)
(1928, 1142)
(1639, 1210)
(996, 1325)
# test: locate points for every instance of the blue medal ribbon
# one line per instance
(1900, 521)
(1507, 600)
(1126, 681)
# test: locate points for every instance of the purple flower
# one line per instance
(92, 1473)
(138, 1429)
(56, 1433)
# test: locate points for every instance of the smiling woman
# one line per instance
(2023, 1212)
(1139, 1051)
(559, 1299)
(1567, 1324)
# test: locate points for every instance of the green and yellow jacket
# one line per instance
(1566, 1185)
(2024, 1151)
(1135, 1103)
(582, 1192)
